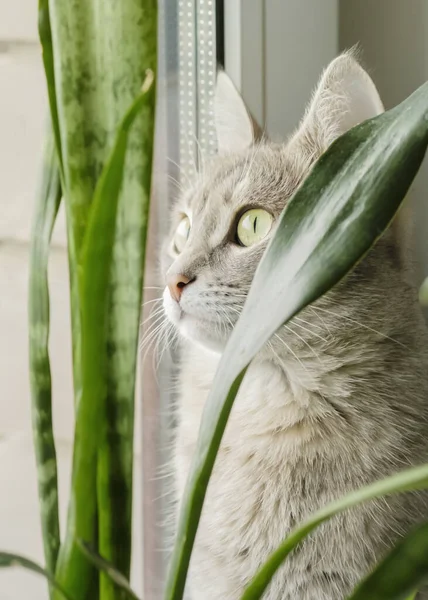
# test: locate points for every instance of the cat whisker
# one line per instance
(163, 476)
(150, 329)
(153, 327)
(227, 316)
(166, 340)
(236, 310)
(222, 326)
(177, 183)
(310, 331)
(281, 362)
(201, 164)
(160, 348)
(151, 301)
(180, 170)
(304, 341)
(307, 323)
(197, 163)
(291, 352)
(362, 325)
(149, 342)
(155, 312)
(153, 338)
(319, 317)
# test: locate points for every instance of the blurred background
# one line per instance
(274, 50)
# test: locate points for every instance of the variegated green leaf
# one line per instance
(8, 560)
(112, 573)
(92, 422)
(47, 203)
(404, 569)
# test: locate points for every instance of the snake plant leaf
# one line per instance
(404, 569)
(344, 205)
(47, 204)
(45, 35)
(106, 567)
(423, 293)
(409, 480)
(47, 44)
(100, 53)
(116, 451)
(94, 278)
(8, 560)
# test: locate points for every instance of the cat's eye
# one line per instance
(181, 234)
(253, 226)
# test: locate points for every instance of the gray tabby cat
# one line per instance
(337, 399)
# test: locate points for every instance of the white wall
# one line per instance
(18, 20)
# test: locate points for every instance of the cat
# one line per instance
(337, 399)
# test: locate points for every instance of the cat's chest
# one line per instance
(262, 486)
(269, 415)
(267, 440)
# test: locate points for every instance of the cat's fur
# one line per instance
(338, 399)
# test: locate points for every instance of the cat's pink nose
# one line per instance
(176, 284)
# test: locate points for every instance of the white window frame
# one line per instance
(275, 51)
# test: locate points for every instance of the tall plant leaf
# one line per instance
(347, 201)
(45, 35)
(47, 204)
(411, 479)
(403, 570)
(101, 51)
(423, 293)
(47, 43)
(112, 573)
(94, 280)
(115, 456)
(8, 560)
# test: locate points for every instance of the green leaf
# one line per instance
(106, 567)
(101, 51)
(404, 569)
(47, 204)
(116, 450)
(8, 560)
(347, 201)
(83, 579)
(423, 293)
(98, 57)
(45, 35)
(97, 254)
(411, 479)
(46, 40)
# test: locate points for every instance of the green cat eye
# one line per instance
(253, 226)
(181, 234)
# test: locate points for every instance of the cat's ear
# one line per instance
(345, 97)
(234, 125)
